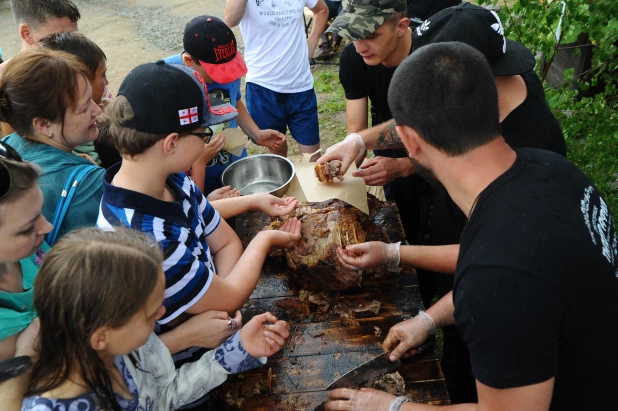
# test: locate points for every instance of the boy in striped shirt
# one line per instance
(157, 122)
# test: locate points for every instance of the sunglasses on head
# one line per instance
(8, 153)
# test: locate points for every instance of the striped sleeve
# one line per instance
(186, 278)
(210, 215)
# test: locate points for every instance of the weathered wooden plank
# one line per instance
(321, 346)
(251, 393)
(395, 301)
(332, 337)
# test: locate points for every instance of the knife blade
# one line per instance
(373, 368)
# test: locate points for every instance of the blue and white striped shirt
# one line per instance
(181, 229)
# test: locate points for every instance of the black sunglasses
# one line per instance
(9, 153)
(206, 136)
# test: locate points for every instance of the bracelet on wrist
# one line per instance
(14, 367)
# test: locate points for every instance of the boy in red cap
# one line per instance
(210, 49)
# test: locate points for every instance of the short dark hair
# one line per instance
(38, 12)
(78, 45)
(446, 92)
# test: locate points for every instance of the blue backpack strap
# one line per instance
(68, 191)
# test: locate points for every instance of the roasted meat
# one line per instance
(392, 383)
(327, 225)
(327, 172)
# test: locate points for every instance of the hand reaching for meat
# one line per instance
(350, 149)
(210, 328)
(271, 205)
(406, 335)
(365, 399)
(223, 192)
(369, 255)
(286, 236)
(262, 339)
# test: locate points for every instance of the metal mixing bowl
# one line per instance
(262, 173)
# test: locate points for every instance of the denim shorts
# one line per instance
(280, 111)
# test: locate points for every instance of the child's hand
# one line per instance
(211, 150)
(286, 236)
(209, 329)
(273, 206)
(223, 192)
(271, 139)
(261, 339)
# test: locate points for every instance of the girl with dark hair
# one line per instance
(99, 294)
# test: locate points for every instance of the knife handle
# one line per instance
(423, 348)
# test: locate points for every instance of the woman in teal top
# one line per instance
(22, 249)
(46, 97)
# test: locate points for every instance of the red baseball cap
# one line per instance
(209, 40)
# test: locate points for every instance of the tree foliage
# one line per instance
(590, 123)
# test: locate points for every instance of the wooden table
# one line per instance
(321, 347)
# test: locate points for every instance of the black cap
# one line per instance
(210, 41)
(481, 29)
(169, 98)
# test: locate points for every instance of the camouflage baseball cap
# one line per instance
(360, 18)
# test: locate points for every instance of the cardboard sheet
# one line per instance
(235, 140)
(306, 187)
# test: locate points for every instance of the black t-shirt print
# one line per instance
(536, 289)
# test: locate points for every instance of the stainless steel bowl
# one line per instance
(262, 173)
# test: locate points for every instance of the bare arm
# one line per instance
(266, 203)
(320, 17)
(536, 397)
(12, 391)
(438, 258)
(225, 247)
(356, 115)
(388, 138)
(245, 121)
(230, 207)
(232, 291)
(234, 11)
(7, 347)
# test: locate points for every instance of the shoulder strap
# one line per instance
(68, 191)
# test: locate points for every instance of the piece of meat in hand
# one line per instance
(327, 172)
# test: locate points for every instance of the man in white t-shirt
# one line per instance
(279, 90)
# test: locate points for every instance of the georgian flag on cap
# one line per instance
(188, 116)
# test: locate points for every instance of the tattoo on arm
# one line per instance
(389, 139)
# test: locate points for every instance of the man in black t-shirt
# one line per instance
(536, 288)
(430, 217)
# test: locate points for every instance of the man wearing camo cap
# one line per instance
(381, 40)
